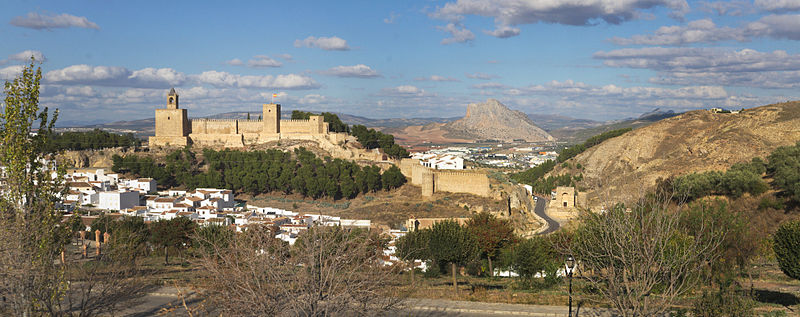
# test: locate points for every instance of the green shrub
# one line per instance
(769, 202)
(433, 270)
(723, 303)
(787, 248)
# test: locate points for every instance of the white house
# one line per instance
(118, 200)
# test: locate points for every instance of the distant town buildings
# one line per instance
(97, 190)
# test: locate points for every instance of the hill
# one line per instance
(694, 141)
(579, 131)
(491, 120)
(553, 122)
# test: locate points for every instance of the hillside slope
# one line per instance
(623, 167)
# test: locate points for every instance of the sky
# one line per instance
(106, 61)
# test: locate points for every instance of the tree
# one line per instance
(784, 167)
(533, 256)
(449, 242)
(392, 178)
(787, 248)
(491, 234)
(329, 271)
(174, 233)
(31, 275)
(642, 260)
(413, 246)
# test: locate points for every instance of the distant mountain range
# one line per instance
(563, 128)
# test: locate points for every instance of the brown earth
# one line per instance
(622, 168)
(418, 134)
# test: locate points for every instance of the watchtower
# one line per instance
(172, 123)
(172, 99)
(272, 118)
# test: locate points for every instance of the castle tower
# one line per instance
(428, 186)
(172, 124)
(272, 118)
(172, 99)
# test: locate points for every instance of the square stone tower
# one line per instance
(272, 118)
(172, 124)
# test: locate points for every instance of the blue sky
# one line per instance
(594, 59)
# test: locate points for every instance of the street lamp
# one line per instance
(569, 265)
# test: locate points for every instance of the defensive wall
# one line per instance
(174, 128)
(432, 180)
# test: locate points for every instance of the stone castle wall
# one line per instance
(251, 126)
(461, 182)
(432, 180)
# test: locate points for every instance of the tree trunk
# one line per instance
(491, 269)
(412, 273)
(455, 283)
(166, 257)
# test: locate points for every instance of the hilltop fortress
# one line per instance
(174, 128)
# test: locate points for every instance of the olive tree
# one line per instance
(449, 242)
(640, 258)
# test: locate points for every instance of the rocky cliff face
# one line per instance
(493, 120)
(624, 167)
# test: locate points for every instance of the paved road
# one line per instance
(153, 303)
(552, 225)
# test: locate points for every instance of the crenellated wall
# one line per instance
(312, 126)
(215, 126)
(174, 128)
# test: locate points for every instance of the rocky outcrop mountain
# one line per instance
(491, 120)
(696, 141)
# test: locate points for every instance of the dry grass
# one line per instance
(390, 208)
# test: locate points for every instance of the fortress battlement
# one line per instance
(174, 128)
(214, 120)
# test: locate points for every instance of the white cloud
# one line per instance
(778, 5)
(357, 71)
(699, 31)
(10, 72)
(503, 31)
(235, 62)
(578, 99)
(263, 61)
(509, 13)
(224, 79)
(705, 31)
(25, 56)
(405, 90)
(732, 8)
(693, 66)
(286, 57)
(437, 78)
(312, 99)
(776, 26)
(489, 86)
(84, 91)
(87, 74)
(115, 76)
(326, 43)
(458, 34)
(48, 22)
(482, 76)
(158, 76)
